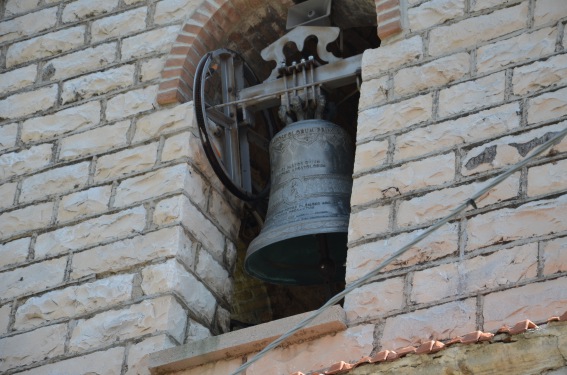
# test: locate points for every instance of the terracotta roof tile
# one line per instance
(522, 327)
(432, 346)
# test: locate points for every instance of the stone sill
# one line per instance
(245, 341)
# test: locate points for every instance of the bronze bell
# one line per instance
(304, 238)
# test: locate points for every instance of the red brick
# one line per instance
(179, 50)
(185, 39)
(169, 84)
(388, 4)
(174, 62)
(192, 28)
(389, 29)
(169, 97)
(391, 15)
(173, 73)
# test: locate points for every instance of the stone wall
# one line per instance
(115, 239)
(468, 89)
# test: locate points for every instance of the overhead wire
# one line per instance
(481, 194)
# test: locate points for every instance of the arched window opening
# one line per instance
(255, 301)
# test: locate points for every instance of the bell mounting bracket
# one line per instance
(229, 99)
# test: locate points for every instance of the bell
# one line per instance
(304, 238)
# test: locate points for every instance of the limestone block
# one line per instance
(98, 83)
(180, 210)
(28, 24)
(531, 219)
(504, 267)
(214, 275)
(376, 62)
(547, 178)
(408, 177)
(440, 203)
(33, 278)
(122, 163)
(220, 211)
(25, 219)
(18, 78)
(47, 342)
(223, 319)
(80, 62)
(18, 105)
(394, 117)
(5, 318)
(121, 24)
(376, 299)
(8, 194)
(436, 73)
(549, 11)
(138, 353)
(434, 323)
(94, 141)
(81, 9)
(464, 34)
(373, 92)
(14, 7)
(74, 301)
(370, 155)
(8, 136)
(434, 12)
(364, 258)
(510, 149)
(26, 161)
(547, 106)
(157, 183)
(68, 120)
(151, 69)
(168, 11)
(177, 146)
(316, 354)
(515, 50)
(448, 134)
(164, 121)
(84, 203)
(173, 277)
(58, 180)
(555, 256)
(162, 314)
(368, 223)
(45, 45)
(122, 255)
(108, 362)
(131, 103)
(14, 252)
(196, 331)
(485, 4)
(536, 301)
(91, 232)
(150, 42)
(540, 74)
(471, 95)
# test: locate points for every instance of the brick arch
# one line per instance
(212, 26)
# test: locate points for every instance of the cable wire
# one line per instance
(365, 279)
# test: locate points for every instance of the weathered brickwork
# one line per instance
(117, 240)
(94, 275)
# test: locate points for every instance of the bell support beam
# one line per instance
(266, 95)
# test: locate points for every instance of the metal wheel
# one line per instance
(235, 140)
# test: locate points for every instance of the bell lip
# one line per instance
(334, 226)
